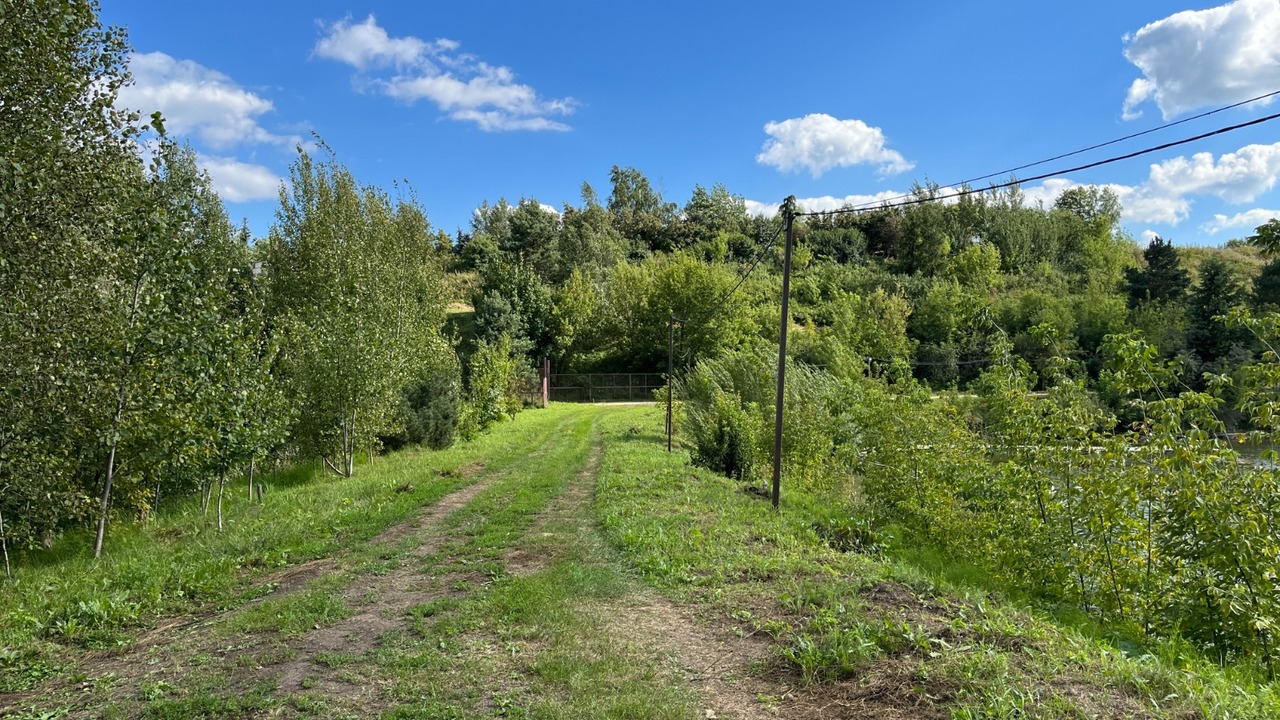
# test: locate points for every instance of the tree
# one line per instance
(353, 279)
(710, 214)
(1097, 206)
(1266, 287)
(532, 239)
(639, 300)
(514, 302)
(68, 175)
(639, 212)
(1267, 238)
(1162, 280)
(588, 242)
(1219, 292)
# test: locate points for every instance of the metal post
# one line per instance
(788, 219)
(671, 368)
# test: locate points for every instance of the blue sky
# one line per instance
(472, 101)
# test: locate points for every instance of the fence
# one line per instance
(604, 387)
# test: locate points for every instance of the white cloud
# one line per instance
(1148, 236)
(1199, 58)
(461, 85)
(1168, 193)
(239, 181)
(1250, 220)
(1236, 177)
(365, 45)
(198, 102)
(820, 142)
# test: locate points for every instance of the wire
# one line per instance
(1148, 131)
(715, 308)
(1044, 176)
(1158, 128)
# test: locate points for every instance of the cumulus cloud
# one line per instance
(198, 102)
(1250, 220)
(366, 45)
(238, 181)
(820, 142)
(1172, 185)
(464, 87)
(1199, 58)
(1236, 177)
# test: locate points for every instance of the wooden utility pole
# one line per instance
(788, 220)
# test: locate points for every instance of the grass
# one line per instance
(498, 637)
(509, 606)
(947, 632)
(179, 563)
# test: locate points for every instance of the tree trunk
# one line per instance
(348, 447)
(206, 492)
(222, 484)
(4, 546)
(251, 461)
(105, 504)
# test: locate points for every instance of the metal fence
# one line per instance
(604, 387)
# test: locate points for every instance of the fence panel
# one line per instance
(604, 387)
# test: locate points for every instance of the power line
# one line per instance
(764, 250)
(1044, 176)
(1158, 128)
(1131, 136)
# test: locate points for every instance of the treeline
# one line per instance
(921, 289)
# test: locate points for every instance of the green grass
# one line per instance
(499, 638)
(948, 634)
(179, 563)
(521, 588)
(535, 638)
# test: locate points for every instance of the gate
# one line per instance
(604, 387)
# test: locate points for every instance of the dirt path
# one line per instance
(381, 601)
(415, 619)
(713, 657)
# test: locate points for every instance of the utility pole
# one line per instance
(671, 369)
(788, 220)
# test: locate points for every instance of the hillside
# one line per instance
(566, 566)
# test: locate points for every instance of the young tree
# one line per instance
(354, 280)
(68, 172)
(1162, 280)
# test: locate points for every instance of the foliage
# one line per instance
(1267, 238)
(1162, 280)
(354, 282)
(493, 379)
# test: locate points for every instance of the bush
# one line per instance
(430, 406)
(492, 387)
